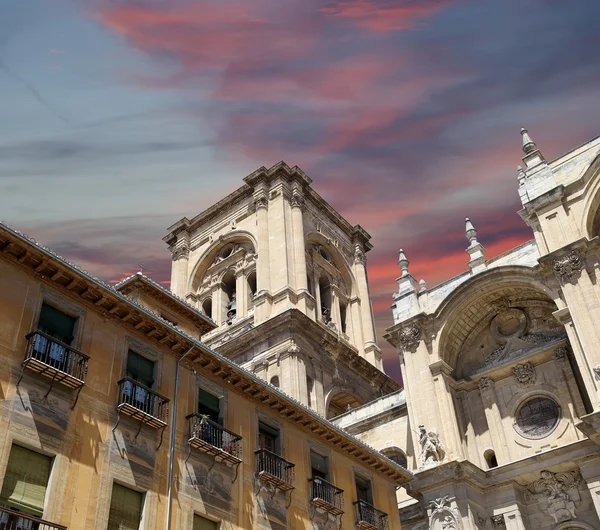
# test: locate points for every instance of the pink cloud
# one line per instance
(384, 16)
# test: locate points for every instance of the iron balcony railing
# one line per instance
(142, 403)
(275, 469)
(213, 438)
(369, 517)
(53, 358)
(13, 520)
(326, 496)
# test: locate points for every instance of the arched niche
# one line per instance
(591, 211)
(495, 308)
(214, 252)
(341, 400)
(395, 454)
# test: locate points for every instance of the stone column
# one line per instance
(592, 480)
(179, 270)
(335, 307)
(360, 270)
(300, 281)
(318, 390)
(263, 274)
(587, 374)
(494, 420)
(580, 295)
(449, 426)
(219, 303)
(241, 294)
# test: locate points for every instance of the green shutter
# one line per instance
(208, 401)
(25, 482)
(56, 323)
(200, 523)
(140, 369)
(125, 509)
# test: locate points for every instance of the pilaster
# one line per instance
(494, 419)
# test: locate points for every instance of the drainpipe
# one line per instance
(172, 443)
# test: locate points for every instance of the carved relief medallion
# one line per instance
(569, 266)
(524, 374)
(409, 336)
(558, 494)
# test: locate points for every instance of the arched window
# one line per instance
(490, 458)
(229, 300)
(251, 280)
(309, 389)
(395, 454)
(343, 312)
(207, 307)
(274, 381)
(341, 402)
(325, 292)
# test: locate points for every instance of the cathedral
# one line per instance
(252, 394)
(498, 417)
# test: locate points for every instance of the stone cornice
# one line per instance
(508, 475)
(167, 298)
(65, 276)
(322, 337)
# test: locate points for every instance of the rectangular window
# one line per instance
(201, 523)
(140, 369)
(268, 438)
(363, 489)
(319, 465)
(208, 405)
(26, 480)
(57, 324)
(125, 509)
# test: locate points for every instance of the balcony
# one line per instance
(369, 517)
(142, 403)
(53, 359)
(274, 469)
(13, 520)
(326, 496)
(213, 439)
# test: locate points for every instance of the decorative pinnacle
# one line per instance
(403, 263)
(528, 144)
(470, 232)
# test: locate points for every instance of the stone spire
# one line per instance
(475, 249)
(528, 144)
(533, 157)
(403, 263)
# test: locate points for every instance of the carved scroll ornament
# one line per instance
(569, 266)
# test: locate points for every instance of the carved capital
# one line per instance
(261, 202)
(498, 522)
(180, 253)
(485, 383)
(524, 374)
(560, 353)
(359, 255)
(297, 200)
(568, 267)
(597, 371)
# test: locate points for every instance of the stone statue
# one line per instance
(449, 523)
(558, 493)
(432, 450)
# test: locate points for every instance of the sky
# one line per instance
(120, 117)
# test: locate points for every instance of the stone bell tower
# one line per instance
(275, 251)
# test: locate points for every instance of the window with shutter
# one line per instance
(268, 438)
(140, 369)
(208, 405)
(319, 465)
(200, 523)
(125, 509)
(363, 489)
(25, 481)
(56, 324)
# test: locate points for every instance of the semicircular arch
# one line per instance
(477, 298)
(338, 260)
(338, 399)
(590, 224)
(208, 256)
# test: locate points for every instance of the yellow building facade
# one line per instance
(87, 400)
